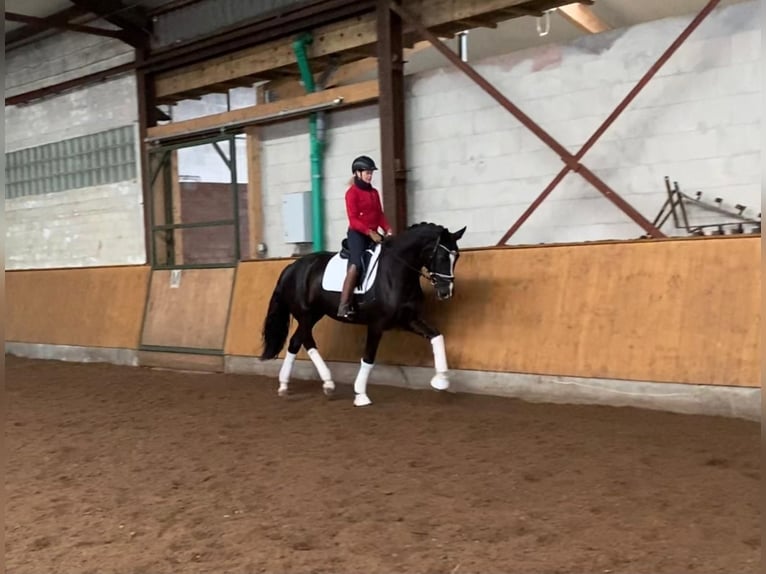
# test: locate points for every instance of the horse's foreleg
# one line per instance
(440, 380)
(328, 385)
(287, 365)
(368, 362)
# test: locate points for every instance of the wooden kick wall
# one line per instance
(685, 311)
(90, 307)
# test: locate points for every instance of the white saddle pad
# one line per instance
(335, 273)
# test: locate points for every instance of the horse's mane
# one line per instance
(426, 224)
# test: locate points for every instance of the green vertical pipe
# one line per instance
(317, 146)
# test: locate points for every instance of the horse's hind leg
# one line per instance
(328, 385)
(287, 365)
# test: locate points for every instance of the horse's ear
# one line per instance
(458, 234)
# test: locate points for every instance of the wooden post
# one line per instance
(391, 105)
(254, 193)
(175, 194)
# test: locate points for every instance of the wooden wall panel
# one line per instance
(252, 293)
(92, 307)
(193, 314)
(684, 311)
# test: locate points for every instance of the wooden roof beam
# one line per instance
(584, 18)
(350, 34)
(477, 23)
(351, 95)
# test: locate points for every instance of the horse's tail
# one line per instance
(276, 326)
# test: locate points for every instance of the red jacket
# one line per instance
(364, 210)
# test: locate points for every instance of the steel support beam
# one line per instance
(391, 110)
(612, 117)
(130, 18)
(17, 37)
(48, 23)
(570, 160)
(146, 118)
(80, 82)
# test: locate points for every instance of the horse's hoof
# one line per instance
(328, 388)
(362, 401)
(282, 392)
(440, 382)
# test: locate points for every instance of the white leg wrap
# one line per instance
(287, 368)
(360, 385)
(322, 369)
(284, 373)
(440, 354)
(440, 381)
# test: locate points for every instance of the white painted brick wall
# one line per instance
(96, 108)
(472, 163)
(697, 121)
(60, 58)
(80, 227)
(287, 169)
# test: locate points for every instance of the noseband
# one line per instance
(433, 276)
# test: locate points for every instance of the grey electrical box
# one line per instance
(296, 217)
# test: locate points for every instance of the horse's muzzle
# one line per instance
(444, 290)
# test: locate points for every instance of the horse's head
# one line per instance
(441, 255)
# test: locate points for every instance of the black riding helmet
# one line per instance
(363, 163)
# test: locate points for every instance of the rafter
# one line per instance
(130, 18)
(16, 37)
(353, 35)
(47, 23)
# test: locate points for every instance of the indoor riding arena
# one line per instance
(567, 308)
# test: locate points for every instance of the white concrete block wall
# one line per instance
(472, 163)
(60, 58)
(76, 228)
(286, 168)
(96, 108)
(698, 122)
(79, 227)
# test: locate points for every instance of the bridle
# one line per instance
(432, 276)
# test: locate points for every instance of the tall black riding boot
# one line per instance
(345, 309)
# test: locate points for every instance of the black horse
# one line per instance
(394, 301)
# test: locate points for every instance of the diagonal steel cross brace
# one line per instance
(572, 161)
(612, 117)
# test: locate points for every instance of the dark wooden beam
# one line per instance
(130, 18)
(47, 23)
(147, 118)
(16, 37)
(391, 108)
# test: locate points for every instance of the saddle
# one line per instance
(335, 272)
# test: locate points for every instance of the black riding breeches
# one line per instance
(357, 243)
